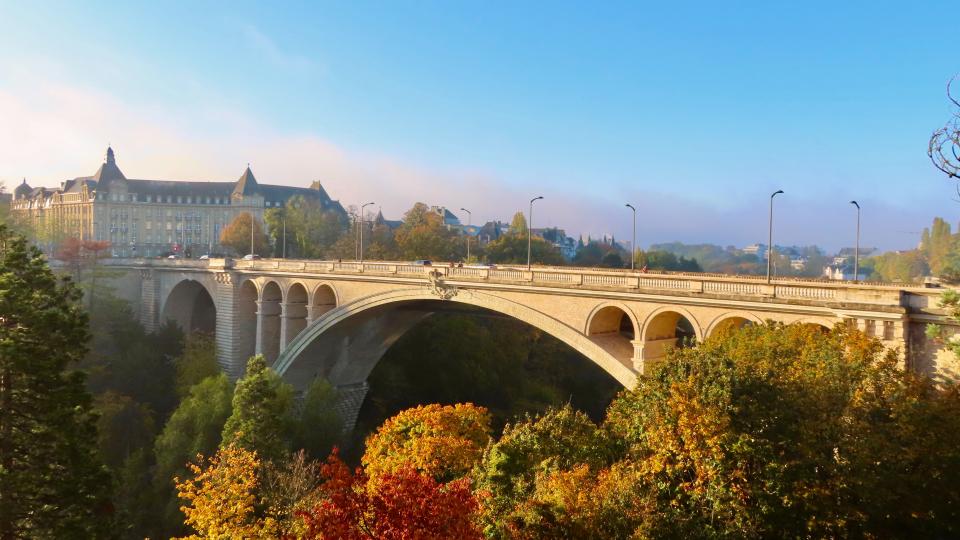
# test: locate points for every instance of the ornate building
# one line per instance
(150, 217)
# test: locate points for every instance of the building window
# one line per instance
(189, 200)
(148, 198)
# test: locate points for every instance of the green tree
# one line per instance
(194, 428)
(511, 248)
(423, 235)
(52, 483)
(318, 426)
(665, 260)
(123, 427)
(558, 440)
(311, 231)
(904, 267)
(262, 412)
(198, 362)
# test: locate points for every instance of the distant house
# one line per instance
(391, 224)
(760, 250)
(798, 263)
(841, 272)
(491, 230)
(449, 218)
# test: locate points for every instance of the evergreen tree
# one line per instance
(52, 484)
(261, 417)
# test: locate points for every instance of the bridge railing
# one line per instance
(566, 277)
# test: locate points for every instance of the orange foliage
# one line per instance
(404, 505)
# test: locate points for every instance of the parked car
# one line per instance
(172, 257)
(203, 257)
(423, 262)
(251, 257)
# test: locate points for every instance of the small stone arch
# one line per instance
(246, 312)
(323, 299)
(736, 319)
(294, 312)
(268, 312)
(613, 327)
(668, 327)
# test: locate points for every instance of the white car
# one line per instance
(203, 257)
(251, 257)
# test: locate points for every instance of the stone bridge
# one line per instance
(337, 319)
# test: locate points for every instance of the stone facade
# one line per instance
(150, 217)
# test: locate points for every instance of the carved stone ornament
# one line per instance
(224, 278)
(439, 288)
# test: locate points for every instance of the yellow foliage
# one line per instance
(442, 441)
(220, 497)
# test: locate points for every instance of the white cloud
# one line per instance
(269, 49)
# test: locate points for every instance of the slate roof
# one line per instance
(22, 190)
(245, 186)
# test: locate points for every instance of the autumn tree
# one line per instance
(405, 504)
(52, 483)
(236, 235)
(220, 495)
(441, 441)
(792, 431)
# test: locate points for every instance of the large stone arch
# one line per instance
(660, 331)
(341, 366)
(345, 344)
(729, 320)
(191, 306)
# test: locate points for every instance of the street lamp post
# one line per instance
(469, 220)
(284, 249)
(633, 242)
(251, 233)
(361, 229)
(770, 236)
(856, 250)
(530, 230)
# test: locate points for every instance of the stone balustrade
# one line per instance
(719, 285)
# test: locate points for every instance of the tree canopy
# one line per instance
(52, 482)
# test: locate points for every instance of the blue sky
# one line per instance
(694, 112)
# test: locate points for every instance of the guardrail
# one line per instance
(623, 280)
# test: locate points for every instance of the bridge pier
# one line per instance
(349, 400)
(268, 329)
